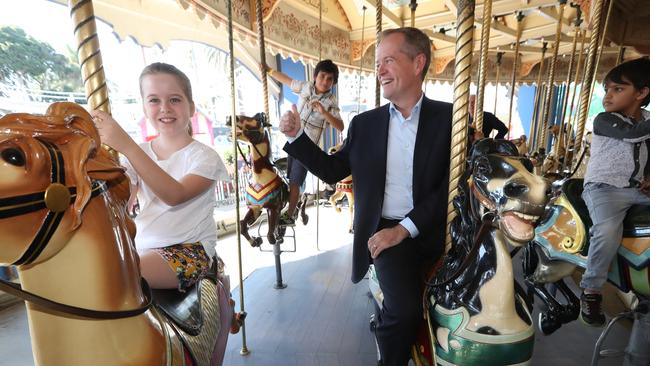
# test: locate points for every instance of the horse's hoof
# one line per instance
(305, 219)
(337, 209)
(256, 242)
(548, 323)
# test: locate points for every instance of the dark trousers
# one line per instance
(399, 274)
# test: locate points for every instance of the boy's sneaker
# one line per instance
(591, 312)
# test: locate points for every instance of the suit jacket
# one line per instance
(363, 154)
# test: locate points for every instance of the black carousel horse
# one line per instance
(477, 313)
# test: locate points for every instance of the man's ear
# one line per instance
(419, 62)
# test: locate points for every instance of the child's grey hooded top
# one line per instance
(619, 150)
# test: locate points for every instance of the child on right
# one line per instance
(617, 167)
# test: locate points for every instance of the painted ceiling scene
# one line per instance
(345, 30)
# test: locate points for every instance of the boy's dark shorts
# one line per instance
(296, 171)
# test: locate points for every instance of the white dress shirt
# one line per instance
(398, 191)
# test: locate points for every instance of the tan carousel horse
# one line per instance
(343, 189)
(64, 225)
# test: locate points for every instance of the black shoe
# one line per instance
(591, 311)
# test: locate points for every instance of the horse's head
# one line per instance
(503, 183)
(250, 129)
(50, 166)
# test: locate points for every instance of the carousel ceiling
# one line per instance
(344, 30)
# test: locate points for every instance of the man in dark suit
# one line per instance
(398, 155)
(490, 122)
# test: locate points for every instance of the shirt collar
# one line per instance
(321, 95)
(414, 111)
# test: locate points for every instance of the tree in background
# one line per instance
(28, 62)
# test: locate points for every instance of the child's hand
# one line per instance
(318, 106)
(110, 131)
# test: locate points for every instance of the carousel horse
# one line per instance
(477, 313)
(561, 245)
(64, 224)
(343, 189)
(266, 189)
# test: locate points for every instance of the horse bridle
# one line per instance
(56, 199)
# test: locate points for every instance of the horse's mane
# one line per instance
(463, 229)
(68, 124)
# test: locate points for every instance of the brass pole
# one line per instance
(515, 62)
(260, 36)
(462, 79)
(363, 28)
(320, 30)
(485, 44)
(576, 79)
(551, 77)
(597, 7)
(82, 14)
(600, 47)
(621, 47)
(534, 133)
(413, 5)
(321, 141)
(233, 112)
(565, 100)
(496, 81)
(378, 19)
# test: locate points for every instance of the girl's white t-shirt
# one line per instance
(160, 225)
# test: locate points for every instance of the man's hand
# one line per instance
(290, 122)
(386, 238)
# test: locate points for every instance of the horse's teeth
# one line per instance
(525, 216)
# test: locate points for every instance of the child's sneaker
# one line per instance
(591, 312)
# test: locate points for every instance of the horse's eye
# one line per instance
(13, 156)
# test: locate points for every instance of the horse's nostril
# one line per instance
(514, 189)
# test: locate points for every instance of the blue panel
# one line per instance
(525, 106)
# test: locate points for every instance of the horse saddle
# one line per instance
(183, 308)
(635, 224)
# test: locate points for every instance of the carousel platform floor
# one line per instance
(320, 318)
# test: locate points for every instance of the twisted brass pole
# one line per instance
(572, 116)
(496, 80)
(600, 47)
(90, 59)
(82, 14)
(233, 112)
(485, 44)
(551, 77)
(260, 36)
(462, 79)
(413, 5)
(515, 62)
(378, 19)
(576, 78)
(597, 8)
(534, 133)
(562, 111)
